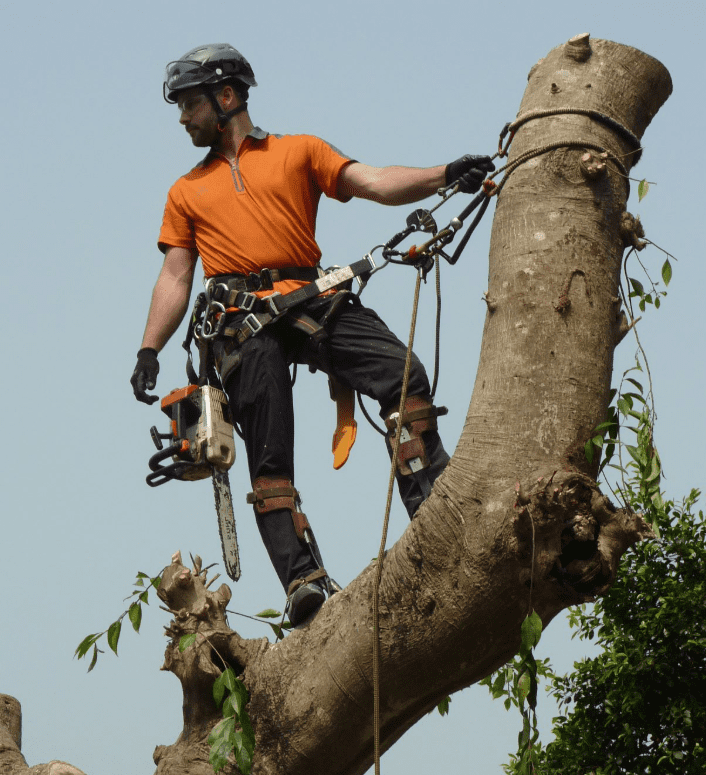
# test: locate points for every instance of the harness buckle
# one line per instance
(266, 283)
(247, 302)
(272, 303)
(253, 324)
(363, 277)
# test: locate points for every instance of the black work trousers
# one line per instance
(361, 353)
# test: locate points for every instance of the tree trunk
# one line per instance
(517, 513)
(11, 760)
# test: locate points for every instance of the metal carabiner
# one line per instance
(208, 330)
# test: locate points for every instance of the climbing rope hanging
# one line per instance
(386, 522)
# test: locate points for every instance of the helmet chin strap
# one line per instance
(224, 116)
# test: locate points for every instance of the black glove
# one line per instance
(469, 172)
(145, 375)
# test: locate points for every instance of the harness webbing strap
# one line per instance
(270, 308)
(313, 576)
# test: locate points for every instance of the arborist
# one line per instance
(248, 210)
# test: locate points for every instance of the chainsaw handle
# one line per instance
(163, 454)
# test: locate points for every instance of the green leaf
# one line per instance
(655, 469)
(638, 455)
(94, 659)
(187, 640)
(230, 706)
(226, 680)
(114, 635)
(236, 701)
(523, 686)
(269, 613)
(229, 679)
(156, 581)
(588, 450)
(222, 742)
(624, 404)
(642, 188)
(638, 287)
(636, 383)
(247, 730)
(243, 755)
(135, 614)
(219, 689)
(443, 706)
(85, 645)
(499, 685)
(666, 272)
(277, 630)
(531, 631)
(144, 597)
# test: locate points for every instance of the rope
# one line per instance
(510, 168)
(596, 115)
(437, 345)
(383, 540)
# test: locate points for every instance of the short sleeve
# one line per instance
(326, 163)
(177, 228)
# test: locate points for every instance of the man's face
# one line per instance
(198, 116)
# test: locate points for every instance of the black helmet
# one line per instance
(206, 66)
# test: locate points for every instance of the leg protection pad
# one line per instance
(271, 493)
(418, 417)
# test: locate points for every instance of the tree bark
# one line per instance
(11, 760)
(517, 520)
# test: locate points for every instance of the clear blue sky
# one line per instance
(89, 152)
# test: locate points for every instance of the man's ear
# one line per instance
(227, 95)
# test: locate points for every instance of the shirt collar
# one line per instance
(257, 134)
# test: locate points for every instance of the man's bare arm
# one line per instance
(170, 297)
(390, 185)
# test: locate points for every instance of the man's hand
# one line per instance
(469, 172)
(144, 377)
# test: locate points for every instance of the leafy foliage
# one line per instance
(234, 734)
(517, 682)
(639, 708)
(134, 614)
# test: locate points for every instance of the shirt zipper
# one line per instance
(235, 172)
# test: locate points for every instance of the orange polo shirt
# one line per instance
(260, 211)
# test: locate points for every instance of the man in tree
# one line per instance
(248, 209)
